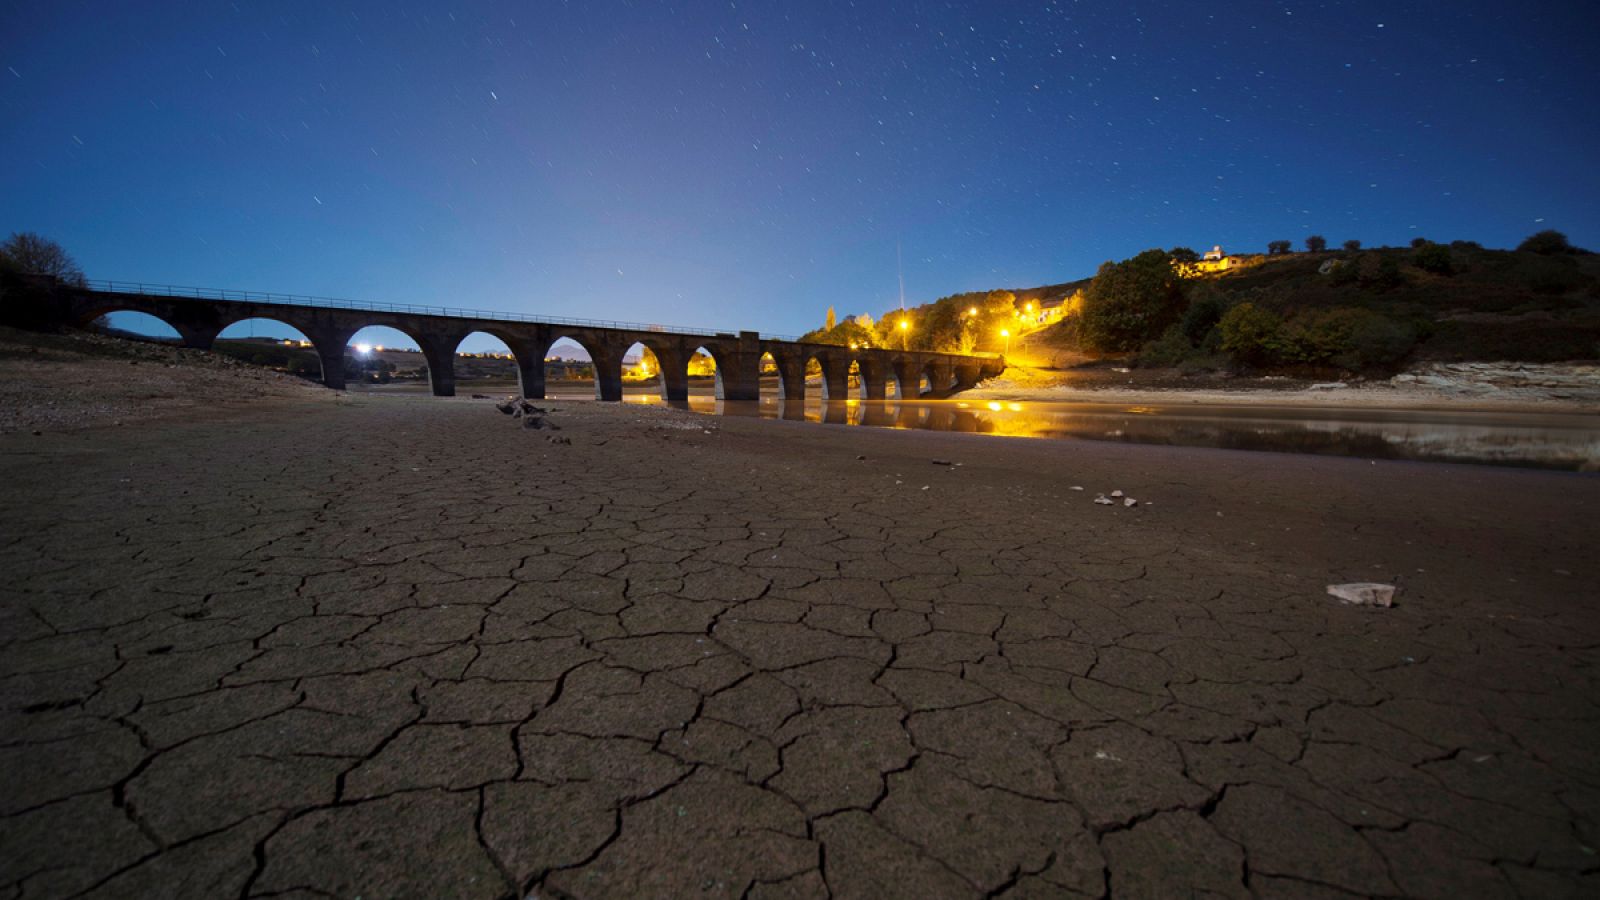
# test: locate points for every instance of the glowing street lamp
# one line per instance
(905, 328)
(1006, 333)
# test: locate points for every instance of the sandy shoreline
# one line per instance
(1503, 387)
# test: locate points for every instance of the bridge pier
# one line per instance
(739, 370)
(908, 376)
(874, 380)
(197, 337)
(674, 374)
(607, 359)
(967, 376)
(941, 374)
(791, 378)
(530, 372)
(441, 356)
(330, 347)
(835, 378)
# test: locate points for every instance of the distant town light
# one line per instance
(363, 349)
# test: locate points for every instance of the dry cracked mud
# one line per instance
(397, 647)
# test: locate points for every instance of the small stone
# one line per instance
(1116, 493)
(1103, 500)
(941, 462)
(1363, 593)
(1077, 487)
(1130, 502)
(860, 457)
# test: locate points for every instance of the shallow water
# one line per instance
(1568, 441)
(1541, 440)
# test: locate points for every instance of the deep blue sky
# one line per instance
(742, 164)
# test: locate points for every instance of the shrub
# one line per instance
(1250, 334)
(1184, 255)
(1434, 258)
(1170, 349)
(1344, 336)
(1277, 248)
(1206, 306)
(1316, 243)
(1381, 274)
(1549, 243)
(1352, 246)
(1345, 272)
(1419, 242)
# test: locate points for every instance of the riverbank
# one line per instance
(1507, 387)
(400, 644)
(76, 380)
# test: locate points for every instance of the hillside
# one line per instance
(1449, 303)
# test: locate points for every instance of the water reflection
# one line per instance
(1542, 440)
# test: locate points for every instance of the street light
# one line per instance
(1006, 333)
(905, 328)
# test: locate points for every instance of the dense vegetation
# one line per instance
(1348, 309)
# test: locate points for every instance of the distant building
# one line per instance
(1216, 261)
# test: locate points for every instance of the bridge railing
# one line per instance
(197, 293)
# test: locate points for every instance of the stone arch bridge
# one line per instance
(200, 315)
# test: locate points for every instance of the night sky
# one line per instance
(750, 164)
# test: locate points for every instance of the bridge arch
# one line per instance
(289, 343)
(719, 357)
(493, 353)
(604, 350)
(659, 361)
(135, 321)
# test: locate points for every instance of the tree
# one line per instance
(1250, 333)
(1316, 243)
(831, 321)
(1352, 246)
(1131, 302)
(1184, 255)
(1417, 243)
(27, 252)
(1278, 247)
(1434, 258)
(1549, 243)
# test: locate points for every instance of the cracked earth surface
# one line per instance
(399, 647)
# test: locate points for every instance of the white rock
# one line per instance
(1130, 502)
(1103, 500)
(1077, 487)
(1116, 493)
(1363, 593)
